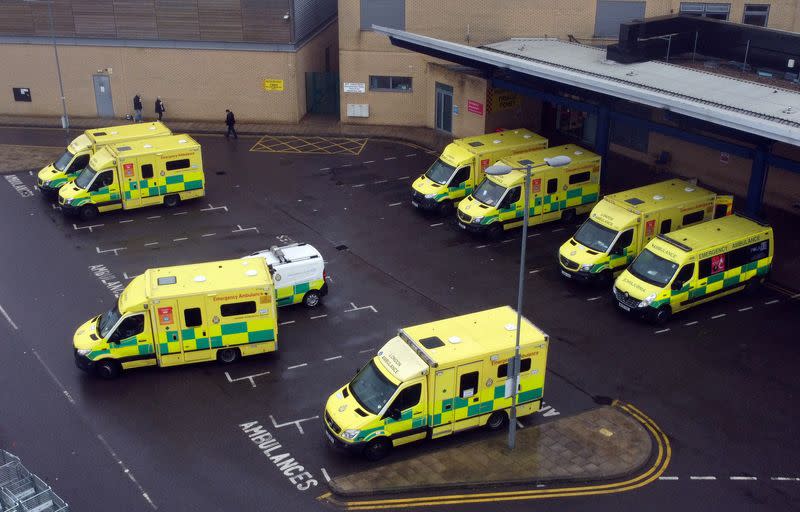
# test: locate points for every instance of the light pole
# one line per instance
(499, 170)
(65, 119)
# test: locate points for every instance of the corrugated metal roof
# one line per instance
(763, 110)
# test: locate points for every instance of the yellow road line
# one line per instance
(311, 145)
(663, 457)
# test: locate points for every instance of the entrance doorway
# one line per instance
(444, 108)
(102, 95)
(322, 93)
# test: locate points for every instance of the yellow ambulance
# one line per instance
(168, 316)
(146, 172)
(498, 204)
(460, 167)
(623, 223)
(434, 379)
(67, 167)
(695, 265)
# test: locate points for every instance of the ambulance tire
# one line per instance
(495, 231)
(311, 299)
(172, 200)
(568, 216)
(377, 449)
(497, 420)
(447, 208)
(228, 355)
(108, 369)
(662, 316)
(753, 284)
(88, 212)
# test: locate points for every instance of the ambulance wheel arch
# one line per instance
(228, 355)
(662, 315)
(312, 299)
(377, 449)
(172, 200)
(495, 230)
(497, 420)
(88, 212)
(108, 369)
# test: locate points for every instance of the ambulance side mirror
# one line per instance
(395, 413)
(677, 284)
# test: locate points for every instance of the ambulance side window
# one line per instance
(79, 163)
(238, 308)
(461, 176)
(192, 317)
(511, 198)
(468, 385)
(147, 171)
(623, 241)
(666, 226)
(407, 398)
(176, 165)
(552, 185)
(580, 177)
(684, 275)
(524, 366)
(131, 326)
(691, 218)
(104, 179)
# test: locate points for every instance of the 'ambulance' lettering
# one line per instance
(286, 464)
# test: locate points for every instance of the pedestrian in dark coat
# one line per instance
(137, 109)
(160, 108)
(230, 120)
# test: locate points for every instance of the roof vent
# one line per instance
(578, 152)
(634, 201)
(114, 133)
(123, 148)
(511, 327)
(658, 197)
(251, 272)
(454, 339)
(166, 280)
(182, 141)
(148, 146)
(497, 141)
(99, 134)
(689, 189)
(526, 136)
(476, 144)
(431, 342)
(200, 279)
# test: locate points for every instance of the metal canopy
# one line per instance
(769, 112)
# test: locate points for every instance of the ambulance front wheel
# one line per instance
(447, 208)
(377, 449)
(497, 420)
(88, 212)
(568, 216)
(228, 355)
(108, 369)
(172, 200)
(662, 315)
(495, 231)
(311, 299)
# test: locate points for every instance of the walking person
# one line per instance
(230, 120)
(160, 108)
(137, 108)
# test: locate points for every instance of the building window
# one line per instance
(756, 14)
(384, 13)
(715, 11)
(390, 83)
(630, 136)
(611, 13)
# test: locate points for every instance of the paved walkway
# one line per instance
(599, 445)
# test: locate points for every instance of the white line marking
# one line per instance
(148, 244)
(773, 301)
(332, 358)
(180, 213)
(204, 235)
(359, 185)
(748, 308)
(702, 478)
(390, 158)
(325, 169)
(367, 350)
(396, 204)
(296, 423)
(743, 478)
(246, 377)
(437, 224)
(356, 308)
(718, 316)
(297, 366)
(688, 324)
(594, 298)
(288, 322)
(325, 474)
(668, 478)
(557, 230)
(154, 217)
(785, 479)
(240, 229)
(533, 235)
(179, 239)
(318, 316)
(410, 155)
(795, 296)
(662, 330)
(90, 228)
(115, 250)
(403, 177)
(347, 165)
(506, 241)
(8, 318)
(126, 221)
(212, 207)
(379, 182)
(126, 276)
(370, 162)
(520, 425)
(480, 246)
(535, 270)
(126, 471)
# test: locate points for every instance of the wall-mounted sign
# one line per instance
(22, 94)
(475, 107)
(724, 157)
(273, 84)
(355, 87)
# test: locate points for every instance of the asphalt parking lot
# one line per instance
(720, 379)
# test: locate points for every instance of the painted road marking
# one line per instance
(366, 350)
(748, 308)
(288, 322)
(396, 204)
(594, 298)
(325, 169)
(296, 423)
(689, 324)
(125, 221)
(246, 377)
(212, 208)
(180, 213)
(743, 478)
(718, 316)
(108, 279)
(410, 155)
(8, 318)
(379, 182)
(784, 479)
(480, 246)
(437, 224)
(557, 230)
(370, 162)
(154, 217)
(332, 358)
(126, 276)
(534, 271)
(115, 250)
(148, 244)
(297, 366)
(347, 165)
(773, 301)
(21, 188)
(702, 478)
(241, 229)
(325, 474)
(90, 228)
(318, 316)
(507, 241)
(205, 235)
(127, 471)
(359, 185)
(179, 239)
(533, 235)
(662, 330)
(668, 478)
(390, 158)
(403, 178)
(356, 308)
(284, 462)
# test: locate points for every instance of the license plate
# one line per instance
(415, 204)
(566, 274)
(462, 226)
(330, 437)
(624, 307)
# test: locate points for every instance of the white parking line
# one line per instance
(379, 182)
(115, 250)
(396, 204)
(480, 246)
(179, 239)
(506, 241)
(437, 224)
(8, 318)
(325, 474)
(773, 301)
(743, 478)
(558, 229)
(318, 316)
(90, 228)
(297, 366)
(718, 316)
(594, 298)
(332, 358)
(748, 308)
(325, 169)
(148, 244)
(370, 162)
(240, 229)
(367, 350)
(702, 478)
(207, 234)
(180, 213)
(403, 177)
(126, 221)
(689, 324)
(668, 478)
(390, 158)
(287, 322)
(154, 217)
(359, 185)
(533, 235)
(662, 330)
(212, 207)
(784, 479)
(347, 165)
(534, 271)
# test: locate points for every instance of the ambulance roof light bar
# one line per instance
(416, 348)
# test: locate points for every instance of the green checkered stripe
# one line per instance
(735, 277)
(462, 190)
(173, 345)
(486, 406)
(614, 261)
(545, 204)
(128, 347)
(176, 183)
(289, 295)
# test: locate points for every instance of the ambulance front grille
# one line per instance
(569, 263)
(463, 217)
(336, 428)
(625, 299)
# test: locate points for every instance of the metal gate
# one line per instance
(444, 107)
(102, 95)
(322, 93)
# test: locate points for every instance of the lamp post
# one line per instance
(499, 170)
(65, 119)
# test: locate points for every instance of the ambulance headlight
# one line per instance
(46, 183)
(430, 196)
(477, 220)
(350, 433)
(68, 201)
(586, 268)
(84, 351)
(647, 300)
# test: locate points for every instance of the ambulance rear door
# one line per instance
(193, 333)
(169, 348)
(444, 390)
(129, 184)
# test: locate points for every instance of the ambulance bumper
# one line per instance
(48, 191)
(84, 363)
(478, 229)
(420, 202)
(339, 445)
(630, 306)
(578, 276)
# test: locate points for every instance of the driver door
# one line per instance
(622, 252)
(509, 207)
(131, 343)
(105, 192)
(406, 417)
(77, 165)
(458, 187)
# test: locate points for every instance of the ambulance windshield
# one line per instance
(653, 269)
(84, 179)
(63, 161)
(489, 192)
(107, 321)
(440, 172)
(594, 236)
(371, 388)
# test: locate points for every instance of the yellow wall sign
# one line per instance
(272, 84)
